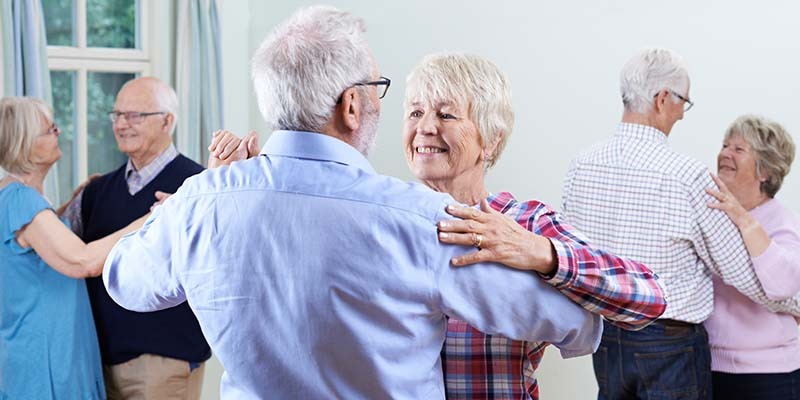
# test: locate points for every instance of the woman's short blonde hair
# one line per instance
(471, 80)
(20, 123)
(772, 145)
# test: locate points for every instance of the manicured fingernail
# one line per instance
(443, 235)
(442, 224)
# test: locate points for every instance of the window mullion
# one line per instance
(80, 23)
(82, 127)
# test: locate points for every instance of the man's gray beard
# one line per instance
(368, 131)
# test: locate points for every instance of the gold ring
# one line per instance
(478, 240)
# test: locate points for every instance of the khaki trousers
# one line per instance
(153, 377)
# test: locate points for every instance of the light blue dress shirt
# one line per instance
(314, 277)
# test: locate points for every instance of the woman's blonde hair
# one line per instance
(20, 123)
(471, 80)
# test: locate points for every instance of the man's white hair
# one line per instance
(164, 96)
(305, 64)
(648, 72)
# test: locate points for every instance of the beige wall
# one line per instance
(563, 59)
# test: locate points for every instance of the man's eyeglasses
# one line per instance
(383, 86)
(133, 117)
(687, 104)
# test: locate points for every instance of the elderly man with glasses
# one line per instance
(145, 355)
(312, 275)
(637, 198)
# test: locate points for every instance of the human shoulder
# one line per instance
(409, 197)
(105, 179)
(187, 164)
(774, 215)
(16, 194)
(532, 209)
(591, 153)
(21, 204)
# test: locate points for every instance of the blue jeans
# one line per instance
(664, 361)
(757, 386)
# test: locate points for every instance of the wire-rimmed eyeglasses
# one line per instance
(133, 117)
(687, 104)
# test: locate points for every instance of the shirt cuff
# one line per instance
(565, 272)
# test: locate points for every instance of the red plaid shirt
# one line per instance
(626, 293)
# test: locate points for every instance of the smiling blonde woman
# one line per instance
(458, 118)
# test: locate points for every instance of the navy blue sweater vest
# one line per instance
(107, 206)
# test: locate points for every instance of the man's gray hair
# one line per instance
(772, 146)
(648, 72)
(303, 66)
(468, 80)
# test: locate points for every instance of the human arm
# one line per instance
(775, 256)
(226, 147)
(753, 234)
(721, 248)
(625, 292)
(63, 250)
(518, 305)
(139, 271)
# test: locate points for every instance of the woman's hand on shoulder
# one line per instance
(497, 238)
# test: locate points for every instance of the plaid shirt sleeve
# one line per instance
(625, 292)
(720, 246)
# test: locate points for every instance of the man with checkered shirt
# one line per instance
(637, 198)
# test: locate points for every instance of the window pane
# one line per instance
(111, 23)
(104, 155)
(63, 86)
(59, 22)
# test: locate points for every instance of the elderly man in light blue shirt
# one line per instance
(313, 276)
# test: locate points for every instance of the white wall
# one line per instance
(563, 59)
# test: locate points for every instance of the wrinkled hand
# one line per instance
(161, 197)
(728, 203)
(226, 147)
(498, 238)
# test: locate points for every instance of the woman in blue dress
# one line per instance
(48, 344)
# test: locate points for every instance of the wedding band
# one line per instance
(477, 240)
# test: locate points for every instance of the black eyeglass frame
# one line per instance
(380, 82)
(114, 115)
(685, 99)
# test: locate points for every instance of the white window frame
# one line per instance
(82, 60)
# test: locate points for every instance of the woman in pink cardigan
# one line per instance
(755, 353)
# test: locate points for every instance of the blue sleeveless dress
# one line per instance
(48, 343)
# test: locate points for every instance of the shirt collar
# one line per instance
(163, 159)
(641, 132)
(314, 146)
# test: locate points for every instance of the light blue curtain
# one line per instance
(25, 71)
(198, 76)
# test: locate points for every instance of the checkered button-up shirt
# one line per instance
(481, 366)
(636, 197)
